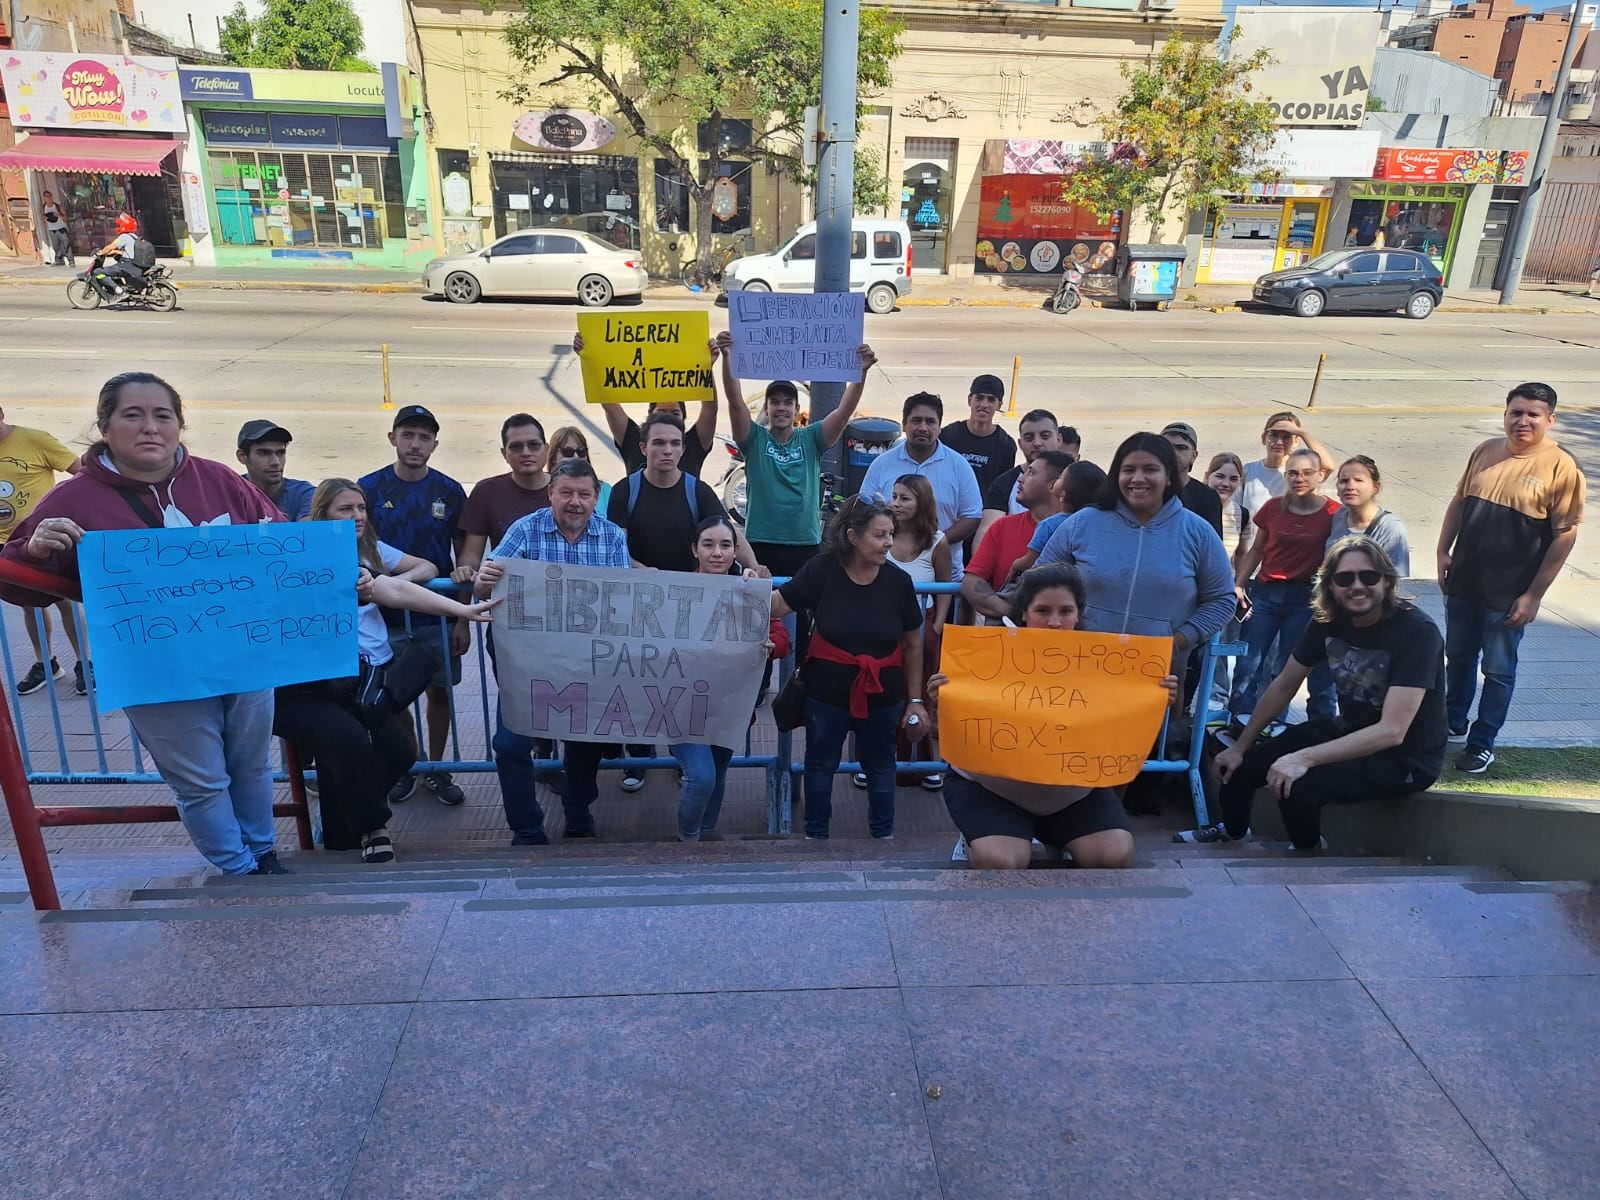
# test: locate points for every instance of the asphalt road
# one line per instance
(1415, 395)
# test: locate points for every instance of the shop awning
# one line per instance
(121, 156)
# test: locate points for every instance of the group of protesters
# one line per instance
(1251, 550)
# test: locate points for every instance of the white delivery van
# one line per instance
(880, 264)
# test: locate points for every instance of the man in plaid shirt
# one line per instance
(566, 532)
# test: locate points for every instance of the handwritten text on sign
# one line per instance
(1045, 706)
(595, 654)
(640, 357)
(814, 337)
(183, 614)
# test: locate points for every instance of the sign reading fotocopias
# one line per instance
(1321, 61)
(1043, 706)
(595, 654)
(635, 358)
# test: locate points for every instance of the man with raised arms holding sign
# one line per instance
(1000, 817)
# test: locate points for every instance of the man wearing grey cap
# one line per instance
(263, 451)
(1195, 494)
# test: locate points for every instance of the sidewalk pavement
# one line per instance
(928, 291)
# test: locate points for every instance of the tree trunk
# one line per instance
(702, 228)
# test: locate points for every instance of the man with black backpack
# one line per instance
(660, 508)
(133, 255)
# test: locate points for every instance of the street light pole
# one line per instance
(836, 173)
(1528, 210)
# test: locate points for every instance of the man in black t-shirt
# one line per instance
(1387, 660)
(653, 505)
(1196, 495)
(978, 439)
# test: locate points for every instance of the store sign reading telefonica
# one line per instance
(312, 87)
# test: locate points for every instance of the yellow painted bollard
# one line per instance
(1016, 372)
(1322, 361)
(387, 402)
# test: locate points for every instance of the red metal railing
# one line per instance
(28, 821)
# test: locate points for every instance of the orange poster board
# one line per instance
(1044, 706)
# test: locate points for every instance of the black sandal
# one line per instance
(377, 848)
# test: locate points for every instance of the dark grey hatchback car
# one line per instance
(1356, 280)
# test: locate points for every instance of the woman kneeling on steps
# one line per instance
(1000, 818)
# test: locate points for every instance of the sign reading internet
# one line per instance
(185, 614)
(640, 357)
(1049, 706)
(814, 338)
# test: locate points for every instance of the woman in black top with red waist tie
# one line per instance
(867, 643)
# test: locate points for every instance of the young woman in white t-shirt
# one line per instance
(920, 550)
(356, 766)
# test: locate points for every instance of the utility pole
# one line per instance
(1528, 210)
(836, 176)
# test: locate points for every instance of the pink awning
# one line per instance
(121, 156)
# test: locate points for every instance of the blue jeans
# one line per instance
(705, 776)
(1278, 612)
(826, 726)
(1472, 632)
(513, 763)
(216, 756)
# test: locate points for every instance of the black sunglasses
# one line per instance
(570, 451)
(1345, 578)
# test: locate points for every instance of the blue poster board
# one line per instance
(184, 614)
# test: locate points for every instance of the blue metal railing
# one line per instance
(779, 767)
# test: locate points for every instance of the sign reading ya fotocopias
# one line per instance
(1043, 706)
(635, 358)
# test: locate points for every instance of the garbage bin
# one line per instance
(1148, 274)
(864, 439)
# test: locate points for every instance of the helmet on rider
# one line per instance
(126, 224)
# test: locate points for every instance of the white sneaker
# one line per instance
(959, 853)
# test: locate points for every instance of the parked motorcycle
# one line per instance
(1070, 292)
(93, 287)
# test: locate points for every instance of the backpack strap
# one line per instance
(691, 492)
(634, 482)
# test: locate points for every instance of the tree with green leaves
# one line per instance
(1186, 131)
(300, 35)
(674, 67)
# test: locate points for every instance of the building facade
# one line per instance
(1518, 47)
(298, 168)
(989, 103)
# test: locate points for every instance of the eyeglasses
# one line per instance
(570, 451)
(1277, 436)
(1345, 579)
(524, 447)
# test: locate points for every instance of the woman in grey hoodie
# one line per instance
(1151, 567)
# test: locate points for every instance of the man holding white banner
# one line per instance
(566, 532)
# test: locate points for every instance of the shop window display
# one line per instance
(598, 197)
(289, 199)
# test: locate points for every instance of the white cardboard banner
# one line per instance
(599, 654)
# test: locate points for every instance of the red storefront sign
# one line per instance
(1449, 166)
(1024, 226)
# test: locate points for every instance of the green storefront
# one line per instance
(310, 168)
(1414, 216)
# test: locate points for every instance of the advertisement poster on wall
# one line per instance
(1321, 61)
(1026, 228)
(111, 92)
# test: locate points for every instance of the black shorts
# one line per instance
(979, 813)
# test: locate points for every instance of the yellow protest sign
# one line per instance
(1047, 706)
(637, 357)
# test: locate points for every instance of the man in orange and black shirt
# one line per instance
(1507, 532)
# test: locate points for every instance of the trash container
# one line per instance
(1148, 274)
(864, 439)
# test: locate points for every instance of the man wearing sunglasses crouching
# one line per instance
(1387, 660)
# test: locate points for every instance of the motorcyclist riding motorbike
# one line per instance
(123, 273)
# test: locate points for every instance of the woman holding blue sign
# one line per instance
(214, 753)
(353, 730)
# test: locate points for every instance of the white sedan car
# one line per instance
(539, 263)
